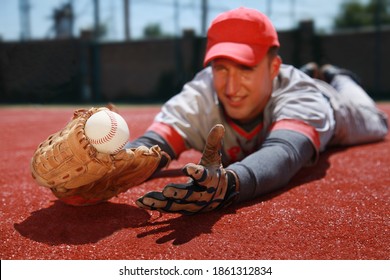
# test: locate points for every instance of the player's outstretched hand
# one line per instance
(210, 186)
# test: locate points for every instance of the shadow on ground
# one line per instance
(64, 224)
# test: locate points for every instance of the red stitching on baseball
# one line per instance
(119, 148)
(110, 134)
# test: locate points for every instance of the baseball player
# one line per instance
(256, 120)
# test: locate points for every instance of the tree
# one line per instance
(355, 14)
(153, 30)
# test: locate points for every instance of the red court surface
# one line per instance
(338, 209)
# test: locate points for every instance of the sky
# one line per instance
(285, 14)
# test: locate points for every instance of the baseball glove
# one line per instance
(78, 174)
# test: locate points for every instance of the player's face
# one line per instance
(244, 91)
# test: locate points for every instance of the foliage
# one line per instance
(354, 14)
(153, 30)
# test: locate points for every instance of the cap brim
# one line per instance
(241, 53)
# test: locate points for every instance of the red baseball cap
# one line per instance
(243, 35)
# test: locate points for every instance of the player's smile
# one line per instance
(235, 101)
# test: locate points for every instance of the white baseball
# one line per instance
(107, 131)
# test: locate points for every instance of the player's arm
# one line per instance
(212, 186)
(150, 139)
(282, 155)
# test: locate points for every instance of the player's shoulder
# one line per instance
(201, 85)
(291, 74)
(202, 79)
(290, 80)
(198, 92)
(204, 74)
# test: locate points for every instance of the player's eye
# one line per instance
(246, 68)
(218, 67)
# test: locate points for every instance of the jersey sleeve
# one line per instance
(297, 104)
(186, 119)
(282, 155)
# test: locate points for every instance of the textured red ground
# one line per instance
(336, 210)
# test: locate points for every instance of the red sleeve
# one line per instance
(170, 135)
(301, 127)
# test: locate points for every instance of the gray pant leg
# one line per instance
(358, 120)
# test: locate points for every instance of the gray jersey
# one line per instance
(297, 103)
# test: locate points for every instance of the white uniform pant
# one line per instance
(358, 120)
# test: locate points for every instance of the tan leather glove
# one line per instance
(80, 175)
